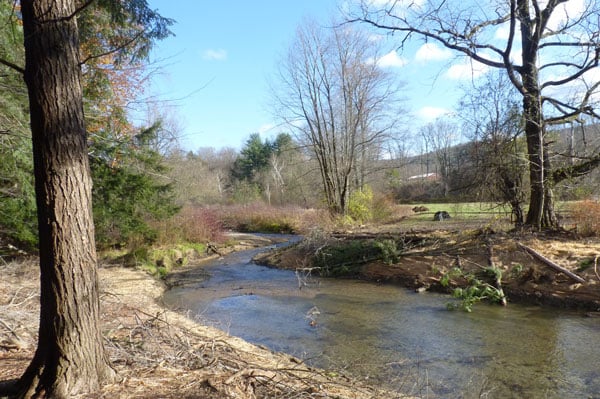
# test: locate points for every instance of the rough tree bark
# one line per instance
(70, 357)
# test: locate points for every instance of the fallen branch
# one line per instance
(303, 274)
(551, 264)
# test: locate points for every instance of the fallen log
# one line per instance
(551, 264)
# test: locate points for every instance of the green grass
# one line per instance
(464, 210)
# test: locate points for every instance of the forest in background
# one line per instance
(147, 188)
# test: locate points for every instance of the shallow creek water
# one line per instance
(390, 335)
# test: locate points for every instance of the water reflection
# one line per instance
(408, 341)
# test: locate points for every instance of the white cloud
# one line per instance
(466, 70)
(375, 38)
(391, 59)
(214, 54)
(565, 13)
(503, 32)
(432, 52)
(432, 113)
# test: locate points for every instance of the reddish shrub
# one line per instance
(259, 217)
(191, 224)
(586, 217)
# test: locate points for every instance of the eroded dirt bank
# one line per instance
(423, 258)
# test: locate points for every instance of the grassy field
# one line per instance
(465, 210)
(493, 215)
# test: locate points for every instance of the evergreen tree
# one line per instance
(253, 158)
(115, 39)
(128, 194)
(17, 197)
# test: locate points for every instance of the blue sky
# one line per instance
(214, 74)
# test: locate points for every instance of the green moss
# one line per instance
(158, 261)
(586, 264)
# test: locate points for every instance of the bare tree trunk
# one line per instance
(534, 130)
(70, 358)
(536, 175)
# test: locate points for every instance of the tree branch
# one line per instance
(548, 262)
(12, 66)
(578, 170)
(113, 50)
(80, 9)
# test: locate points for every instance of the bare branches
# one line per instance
(340, 102)
(577, 170)
(541, 47)
(569, 112)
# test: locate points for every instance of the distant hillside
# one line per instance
(419, 177)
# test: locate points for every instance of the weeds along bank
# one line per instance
(196, 233)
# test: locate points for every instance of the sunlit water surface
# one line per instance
(392, 336)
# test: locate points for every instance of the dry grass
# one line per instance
(19, 300)
(262, 218)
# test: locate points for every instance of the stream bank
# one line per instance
(422, 260)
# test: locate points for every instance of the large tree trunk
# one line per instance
(70, 358)
(541, 201)
(534, 135)
(541, 204)
(549, 218)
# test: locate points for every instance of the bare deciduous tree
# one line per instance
(440, 136)
(491, 114)
(548, 49)
(340, 102)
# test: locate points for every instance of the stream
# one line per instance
(391, 336)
